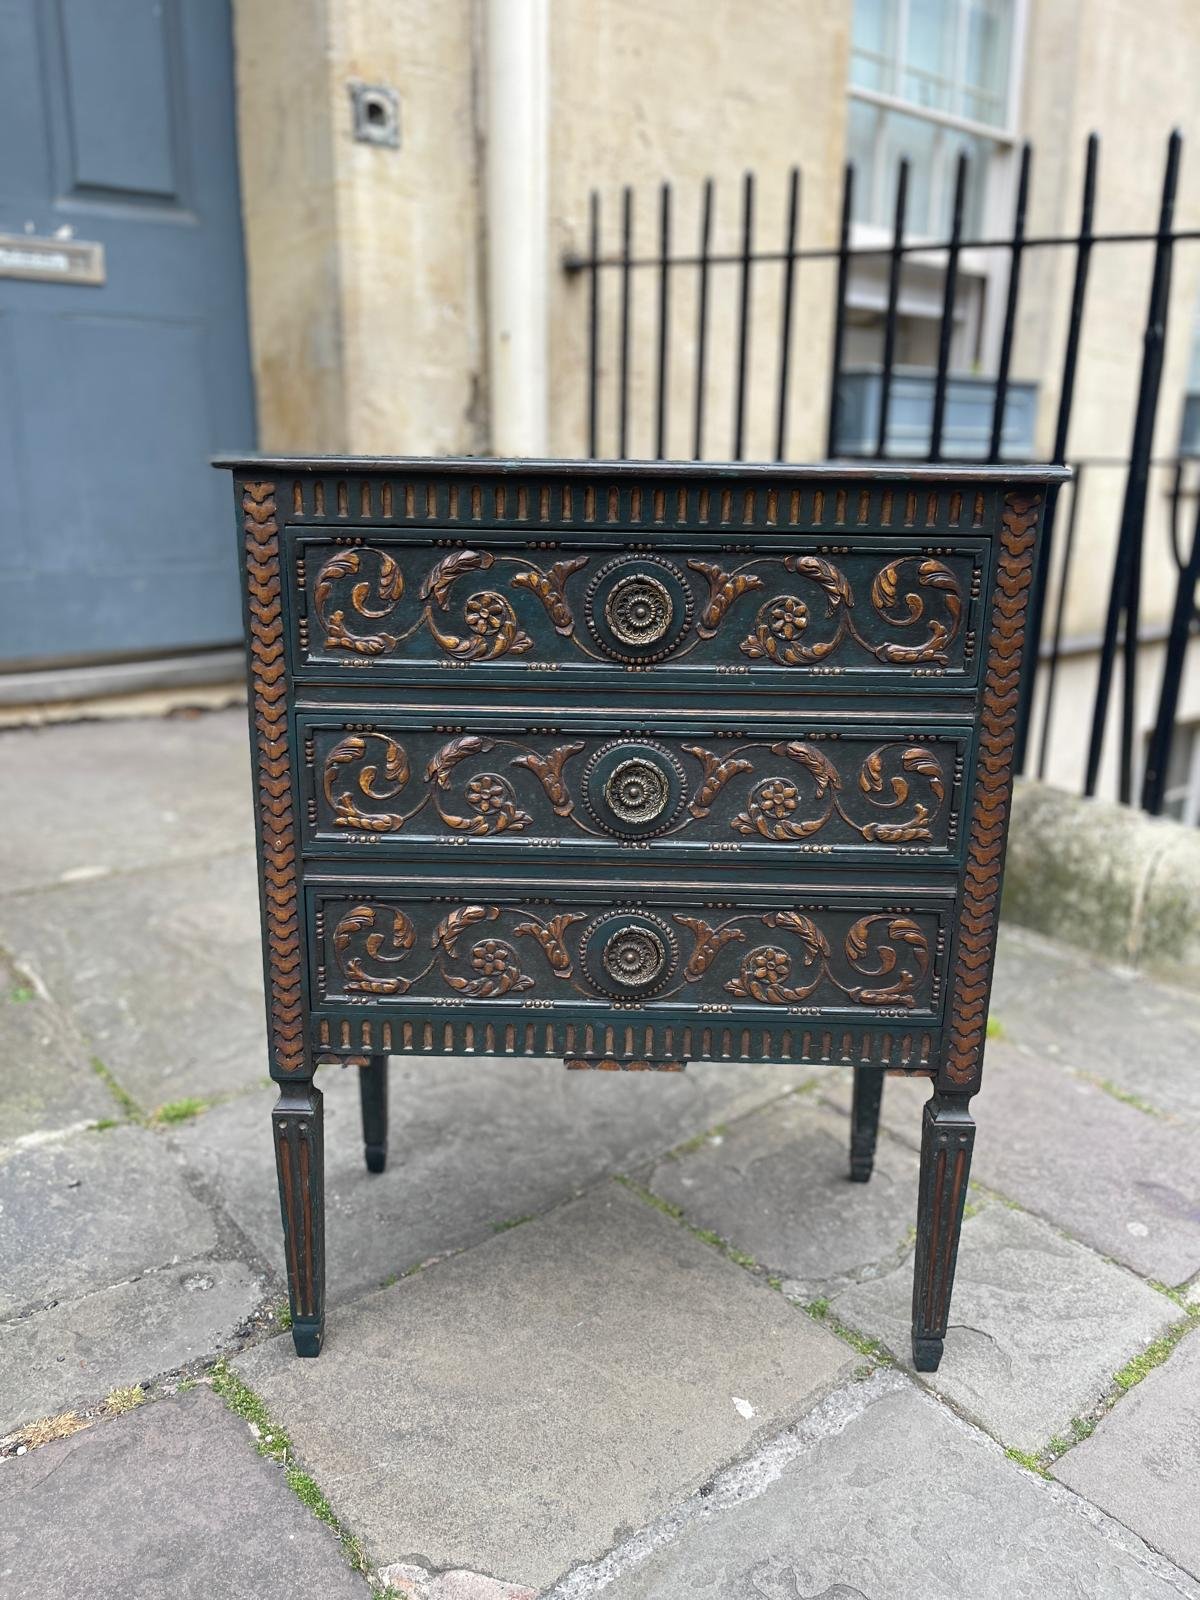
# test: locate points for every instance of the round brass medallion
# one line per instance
(639, 609)
(637, 790)
(634, 957)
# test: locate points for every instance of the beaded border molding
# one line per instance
(337, 1035)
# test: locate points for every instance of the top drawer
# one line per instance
(781, 612)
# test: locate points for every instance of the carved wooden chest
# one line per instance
(632, 765)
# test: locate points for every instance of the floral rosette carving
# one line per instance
(492, 630)
(499, 971)
(491, 623)
(781, 626)
(775, 807)
(490, 796)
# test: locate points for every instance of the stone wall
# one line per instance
(1111, 880)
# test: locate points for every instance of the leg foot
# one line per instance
(947, 1138)
(298, 1127)
(373, 1087)
(864, 1121)
(927, 1353)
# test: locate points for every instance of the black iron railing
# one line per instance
(668, 266)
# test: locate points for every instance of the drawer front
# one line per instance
(653, 961)
(766, 793)
(773, 613)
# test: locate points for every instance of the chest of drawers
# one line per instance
(632, 765)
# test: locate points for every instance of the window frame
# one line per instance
(978, 327)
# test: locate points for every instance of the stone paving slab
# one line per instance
(169, 1502)
(1142, 1465)
(474, 1143)
(902, 1502)
(1038, 1325)
(1103, 1020)
(46, 1079)
(121, 796)
(1122, 1181)
(83, 1213)
(512, 1410)
(775, 1185)
(73, 1353)
(161, 971)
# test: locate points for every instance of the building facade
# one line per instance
(413, 176)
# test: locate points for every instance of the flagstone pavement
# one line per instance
(588, 1331)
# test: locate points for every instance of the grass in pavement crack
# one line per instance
(271, 1441)
(1126, 1378)
(667, 1207)
(1026, 1459)
(118, 1401)
(706, 1235)
(1125, 1096)
(509, 1223)
(178, 1111)
(819, 1311)
(1154, 1354)
(124, 1099)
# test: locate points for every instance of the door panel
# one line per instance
(117, 59)
(117, 123)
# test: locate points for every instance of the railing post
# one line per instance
(702, 319)
(1016, 250)
(950, 294)
(839, 311)
(1182, 615)
(791, 230)
(1125, 595)
(1057, 631)
(664, 309)
(895, 266)
(1066, 396)
(743, 344)
(593, 379)
(626, 286)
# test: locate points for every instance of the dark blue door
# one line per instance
(117, 130)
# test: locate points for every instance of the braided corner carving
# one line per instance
(993, 790)
(272, 777)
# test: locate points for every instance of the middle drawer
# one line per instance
(598, 786)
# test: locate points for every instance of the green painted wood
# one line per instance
(631, 765)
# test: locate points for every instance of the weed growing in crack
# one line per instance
(129, 1106)
(271, 1441)
(1026, 1459)
(178, 1111)
(509, 1223)
(118, 1401)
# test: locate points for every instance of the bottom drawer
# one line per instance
(661, 973)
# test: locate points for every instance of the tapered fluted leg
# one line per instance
(373, 1084)
(297, 1124)
(947, 1138)
(864, 1121)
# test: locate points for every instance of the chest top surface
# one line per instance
(632, 763)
